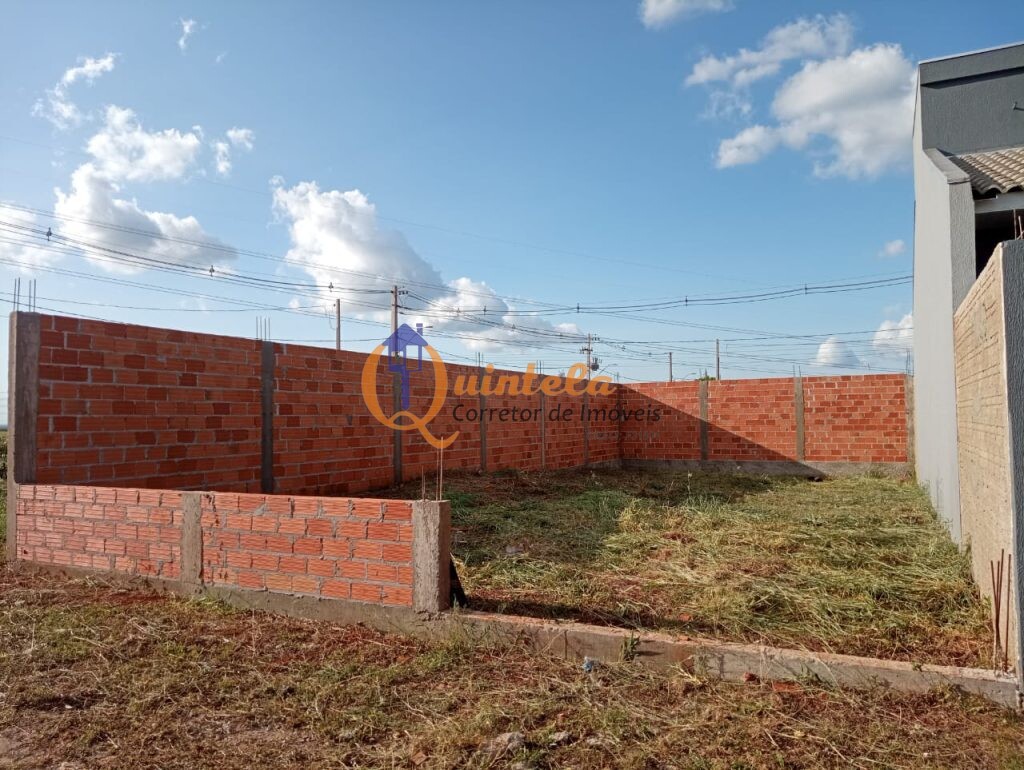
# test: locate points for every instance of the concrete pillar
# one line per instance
(543, 432)
(192, 541)
(22, 415)
(267, 366)
(798, 408)
(431, 555)
(704, 443)
(483, 433)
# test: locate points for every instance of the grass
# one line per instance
(858, 566)
(91, 676)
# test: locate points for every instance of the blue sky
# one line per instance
(518, 157)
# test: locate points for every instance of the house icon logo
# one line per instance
(404, 350)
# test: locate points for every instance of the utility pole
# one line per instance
(589, 349)
(394, 309)
(670, 366)
(718, 363)
(337, 324)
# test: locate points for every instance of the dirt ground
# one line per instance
(96, 677)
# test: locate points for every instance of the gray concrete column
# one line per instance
(431, 555)
(704, 443)
(192, 541)
(798, 408)
(267, 367)
(22, 415)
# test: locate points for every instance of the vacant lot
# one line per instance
(95, 677)
(858, 566)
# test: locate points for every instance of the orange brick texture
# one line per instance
(127, 405)
(133, 406)
(336, 548)
(135, 531)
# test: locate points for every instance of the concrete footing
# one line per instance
(728, 661)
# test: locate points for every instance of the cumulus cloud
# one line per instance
(336, 239)
(658, 13)
(57, 106)
(893, 248)
(894, 339)
(850, 109)
(802, 39)
(188, 26)
(122, 151)
(239, 138)
(837, 354)
(852, 113)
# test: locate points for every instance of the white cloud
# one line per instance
(188, 26)
(57, 107)
(836, 354)
(240, 138)
(219, 58)
(895, 339)
(658, 13)
(123, 151)
(802, 39)
(893, 248)
(336, 239)
(851, 113)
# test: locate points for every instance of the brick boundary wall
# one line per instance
(134, 406)
(382, 552)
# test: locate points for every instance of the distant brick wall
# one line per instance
(126, 405)
(854, 419)
(337, 548)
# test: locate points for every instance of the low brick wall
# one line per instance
(356, 549)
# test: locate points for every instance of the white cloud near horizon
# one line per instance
(660, 13)
(188, 27)
(895, 339)
(893, 248)
(835, 353)
(335, 235)
(57, 106)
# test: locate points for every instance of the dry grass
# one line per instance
(858, 566)
(94, 677)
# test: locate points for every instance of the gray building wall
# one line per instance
(964, 104)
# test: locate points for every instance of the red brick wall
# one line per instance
(751, 419)
(856, 417)
(325, 439)
(132, 405)
(675, 435)
(126, 405)
(135, 531)
(337, 548)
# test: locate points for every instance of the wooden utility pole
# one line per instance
(718, 363)
(670, 366)
(337, 324)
